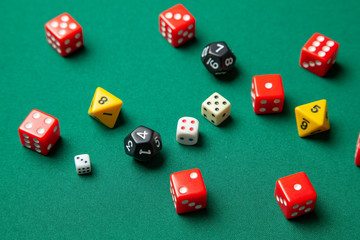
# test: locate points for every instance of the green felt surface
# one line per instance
(42, 197)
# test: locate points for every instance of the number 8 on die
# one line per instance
(105, 107)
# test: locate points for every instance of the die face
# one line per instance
(316, 66)
(142, 135)
(357, 152)
(321, 47)
(219, 49)
(267, 94)
(212, 63)
(177, 25)
(187, 132)
(218, 58)
(82, 163)
(295, 195)
(156, 142)
(228, 61)
(318, 54)
(143, 143)
(312, 118)
(129, 145)
(268, 86)
(39, 131)
(291, 210)
(188, 190)
(216, 109)
(64, 34)
(105, 107)
(63, 26)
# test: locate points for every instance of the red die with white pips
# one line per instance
(177, 25)
(39, 131)
(357, 152)
(295, 195)
(64, 34)
(187, 132)
(319, 54)
(267, 94)
(188, 190)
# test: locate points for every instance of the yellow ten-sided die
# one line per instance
(105, 107)
(312, 118)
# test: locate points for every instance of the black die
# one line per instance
(142, 143)
(218, 58)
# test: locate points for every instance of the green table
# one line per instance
(42, 197)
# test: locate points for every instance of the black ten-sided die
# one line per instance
(142, 143)
(218, 58)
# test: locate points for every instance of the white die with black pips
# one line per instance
(216, 109)
(82, 163)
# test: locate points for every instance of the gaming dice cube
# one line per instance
(188, 190)
(142, 143)
(177, 25)
(39, 131)
(267, 94)
(187, 132)
(357, 152)
(318, 54)
(216, 109)
(82, 164)
(64, 34)
(312, 118)
(105, 107)
(295, 195)
(218, 58)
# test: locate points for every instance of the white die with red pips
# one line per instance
(187, 132)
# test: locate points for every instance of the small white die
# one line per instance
(82, 163)
(187, 132)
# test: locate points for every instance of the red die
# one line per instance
(267, 94)
(357, 152)
(188, 190)
(319, 54)
(39, 131)
(64, 34)
(177, 25)
(295, 195)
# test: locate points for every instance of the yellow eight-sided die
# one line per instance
(312, 118)
(105, 107)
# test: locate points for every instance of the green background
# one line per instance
(42, 197)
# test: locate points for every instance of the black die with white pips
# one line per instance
(143, 143)
(218, 58)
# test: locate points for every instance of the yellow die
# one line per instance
(105, 107)
(312, 118)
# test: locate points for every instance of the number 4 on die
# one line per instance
(143, 143)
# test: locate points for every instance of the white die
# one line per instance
(216, 109)
(187, 132)
(82, 163)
